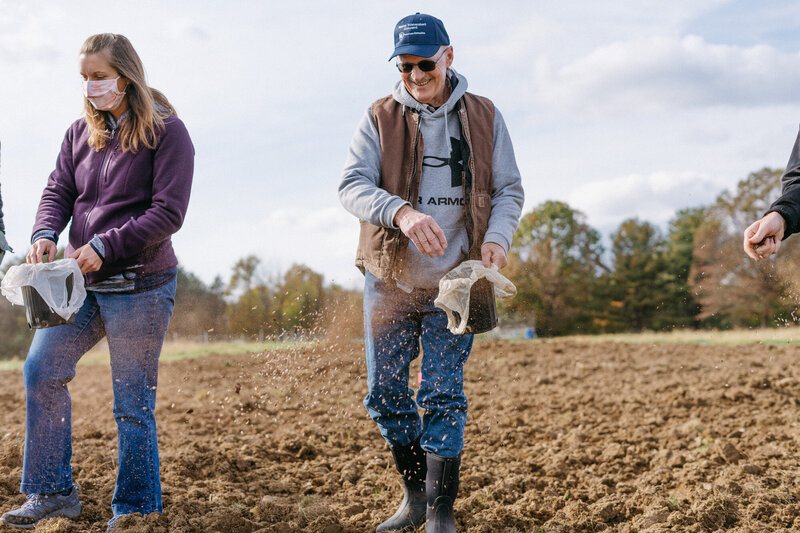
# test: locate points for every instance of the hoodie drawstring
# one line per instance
(447, 131)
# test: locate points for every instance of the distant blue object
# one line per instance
(530, 333)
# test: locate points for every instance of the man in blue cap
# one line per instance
(432, 177)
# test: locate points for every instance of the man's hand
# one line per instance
(763, 237)
(423, 231)
(39, 249)
(493, 254)
(87, 258)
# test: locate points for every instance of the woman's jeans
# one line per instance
(395, 324)
(135, 325)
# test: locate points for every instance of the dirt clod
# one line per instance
(717, 513)
(728, 452)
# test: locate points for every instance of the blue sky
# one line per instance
(631, 108)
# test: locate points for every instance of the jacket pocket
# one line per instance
(481, 211)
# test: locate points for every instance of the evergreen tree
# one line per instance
(684, 308)
(640, 287)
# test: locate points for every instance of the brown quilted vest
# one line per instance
(382, 250)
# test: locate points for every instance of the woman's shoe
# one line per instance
(41, 507)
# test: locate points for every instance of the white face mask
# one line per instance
(103, 94)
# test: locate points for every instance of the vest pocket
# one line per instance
(376, 248)
(481, 210)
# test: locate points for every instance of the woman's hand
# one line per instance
(87, 258)
(39, 249)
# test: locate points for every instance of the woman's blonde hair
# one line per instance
(147, 107)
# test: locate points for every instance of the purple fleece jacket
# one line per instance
(133, 202)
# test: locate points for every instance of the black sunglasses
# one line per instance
(426, 65)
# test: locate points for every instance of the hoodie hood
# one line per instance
(458, 86)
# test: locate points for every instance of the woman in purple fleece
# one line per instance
(122, 179)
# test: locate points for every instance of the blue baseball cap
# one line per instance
(419, 35)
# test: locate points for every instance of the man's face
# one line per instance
(428, 88)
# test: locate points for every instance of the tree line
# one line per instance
(252, 304)
(256, 305)
(692, 275)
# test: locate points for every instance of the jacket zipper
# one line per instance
(103, 165)
(471, 165)
(408, 191)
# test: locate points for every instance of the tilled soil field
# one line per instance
(562, 437)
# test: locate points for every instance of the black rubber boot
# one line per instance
(410, 462)
(442, 489)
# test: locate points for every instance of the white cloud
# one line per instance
(24, 37)
(669, 72)
(654, 197)
(324, 239)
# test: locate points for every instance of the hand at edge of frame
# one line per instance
(763, 237)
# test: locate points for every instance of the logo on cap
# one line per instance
(419, 35)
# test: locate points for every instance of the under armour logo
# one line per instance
(455, 161)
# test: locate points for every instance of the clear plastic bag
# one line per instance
(454, 291)
(50, 282)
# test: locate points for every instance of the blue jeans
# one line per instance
(135, 325)
(396, 323)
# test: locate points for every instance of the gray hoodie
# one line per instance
(441, 193)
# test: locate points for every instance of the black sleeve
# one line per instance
(788, 204)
